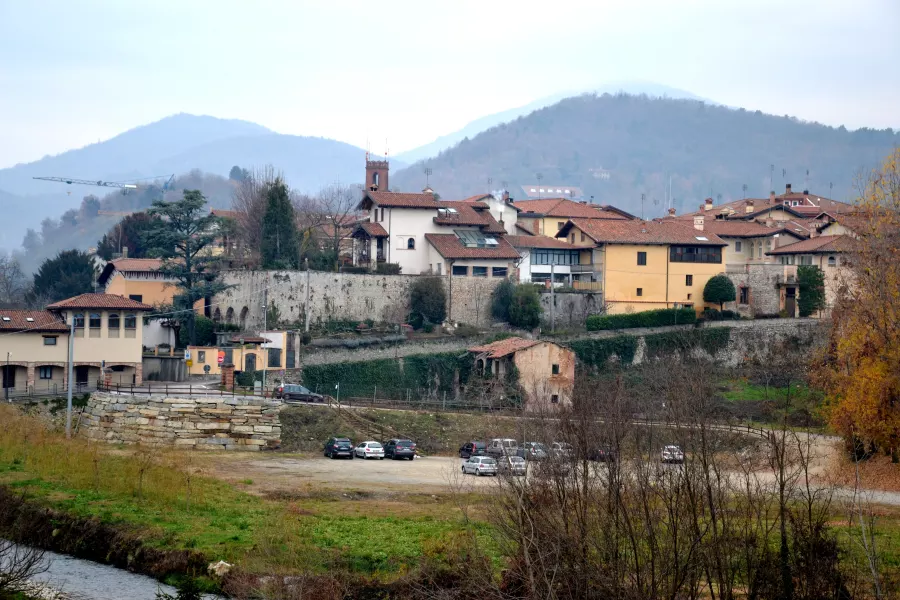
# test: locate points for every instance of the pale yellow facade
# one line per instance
(149, 288)
(544, 388)
(249, 357)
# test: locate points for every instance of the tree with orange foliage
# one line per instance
(860, 367)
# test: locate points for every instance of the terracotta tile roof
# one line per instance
(858, 224)
(524, 230)
(745, 229)
(501, 348)
(227, 214)
(563, 207)
(468, 213)
(642, 232)
(476, 198)
(375, 230)
(811, 205)
(823, 244)
(99, 301)
(450, 246)
(138, 265)
(397, 200)
(539, 241)
(41, 320)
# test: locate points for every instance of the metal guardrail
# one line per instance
(187, 390)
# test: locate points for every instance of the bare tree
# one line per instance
(249, 202)
(337, 206)
(12, 282)
(18, 565)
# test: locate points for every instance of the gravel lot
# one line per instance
(302, 474)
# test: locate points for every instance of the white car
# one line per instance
(480, 465)
(672, 454)
(369, 450)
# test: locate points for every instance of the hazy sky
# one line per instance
(75, 72)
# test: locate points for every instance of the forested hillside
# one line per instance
(619, 147)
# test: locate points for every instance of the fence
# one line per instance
(32, 393)
(415, 399)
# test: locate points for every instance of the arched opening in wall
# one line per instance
(244, 312)
(229, 316)
(411, 244)
(217, 316)
(375, 178)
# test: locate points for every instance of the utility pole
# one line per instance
(552, 298)
(306, 306)
(71, 368)
(265, 328)
(7, 378)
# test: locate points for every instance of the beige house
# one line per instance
(827, 252)
(546, 371)
(108, 336)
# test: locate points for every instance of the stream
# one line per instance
(80, 579)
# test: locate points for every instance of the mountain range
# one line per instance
(673, 152)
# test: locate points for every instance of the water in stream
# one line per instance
(83, 579)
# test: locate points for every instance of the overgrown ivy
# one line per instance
(710, 340)
(596, 352)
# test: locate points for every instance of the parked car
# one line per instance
(604, 454)
(472, 449)
(672, 454)
(502, 447)
(297, 392)
(480, 465)
(339, 446)
(561, 450)
(369, 450)
(396, 448)
(532, 451)
(512, 465)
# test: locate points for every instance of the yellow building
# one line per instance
(108, 343)
(646, 265)
(263, 352)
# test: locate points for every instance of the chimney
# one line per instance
(772, 197)
(770, 222)
(806, 192)
(124, 251)
(535, 227)
(698, 222)
(672, 212)
(505, 196)
(701, 207)
(708, 204)
(787, 189)
(750, 206)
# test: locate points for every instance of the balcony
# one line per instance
(365, 259)
(588, 286)
(583, 268)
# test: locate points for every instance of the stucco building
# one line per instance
(546, 371)
(108, 336)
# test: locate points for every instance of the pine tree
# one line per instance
(70, 273)
(280, 247)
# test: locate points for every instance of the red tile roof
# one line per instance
(398, 200)
(468, 213)
(824, 244)
(41, 321)
(450, 246)
(539, 241)
(375, 230)
(524, 230)
(99, 301)
(746, 229)
(811, 205)
(563, 207)
(858, 224)
(136, 265)
(476, 198)
(226, 214)
(501, 348)
(642, 232)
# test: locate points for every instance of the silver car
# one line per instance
(502, 447)
(512, 465)
(480, 465)
(672, 454)
(369, 450)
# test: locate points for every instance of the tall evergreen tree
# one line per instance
(811, 282)
(127, 233)
(280, 247)
(68, 274)
(182, 237)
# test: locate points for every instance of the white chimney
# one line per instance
(698, 222)
(750, 208)
(708, 204)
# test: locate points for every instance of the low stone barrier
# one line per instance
(213, 423)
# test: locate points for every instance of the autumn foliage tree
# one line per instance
(860, 367)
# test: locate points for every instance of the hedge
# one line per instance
(595, 353)
(711, 340)
(391, 376)
(648, 318)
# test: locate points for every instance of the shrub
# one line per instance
(352, 269)
(712, 314)
(811, 282)
(206, 332)
(648, 318)
(719, 290)
(427, 301)
(501, 298)
(387, 268)
(466, 331)
(525, 309)
(246, 378)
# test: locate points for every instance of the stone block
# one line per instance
(262, 429)
(213, 426)
(242, 428)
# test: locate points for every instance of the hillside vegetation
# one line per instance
(638, 141)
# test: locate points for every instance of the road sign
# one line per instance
(206, 368)
(189, 362)
(221, 357)
(187, 355)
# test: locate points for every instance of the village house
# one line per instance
(108, 337)
(645, 265)
(827, 252)
(545, 258)
(271, 351)
(424, 235)
(547, 216)
(546, 371)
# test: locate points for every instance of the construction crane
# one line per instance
(125, 186)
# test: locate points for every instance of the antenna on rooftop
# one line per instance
(539, 176)
(642, 206)
(744, 188)
(771, 177)
(427, 171)
(806, 181)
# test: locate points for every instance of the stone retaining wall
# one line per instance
(212, 423)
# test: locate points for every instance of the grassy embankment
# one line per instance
(165, 499)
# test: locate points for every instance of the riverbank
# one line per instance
(158, 513)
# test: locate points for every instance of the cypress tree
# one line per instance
(280, 241)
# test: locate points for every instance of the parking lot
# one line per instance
(293, 473)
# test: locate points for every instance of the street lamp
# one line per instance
(6, 378)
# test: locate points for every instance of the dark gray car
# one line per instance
(299, 393)
(396, 448)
